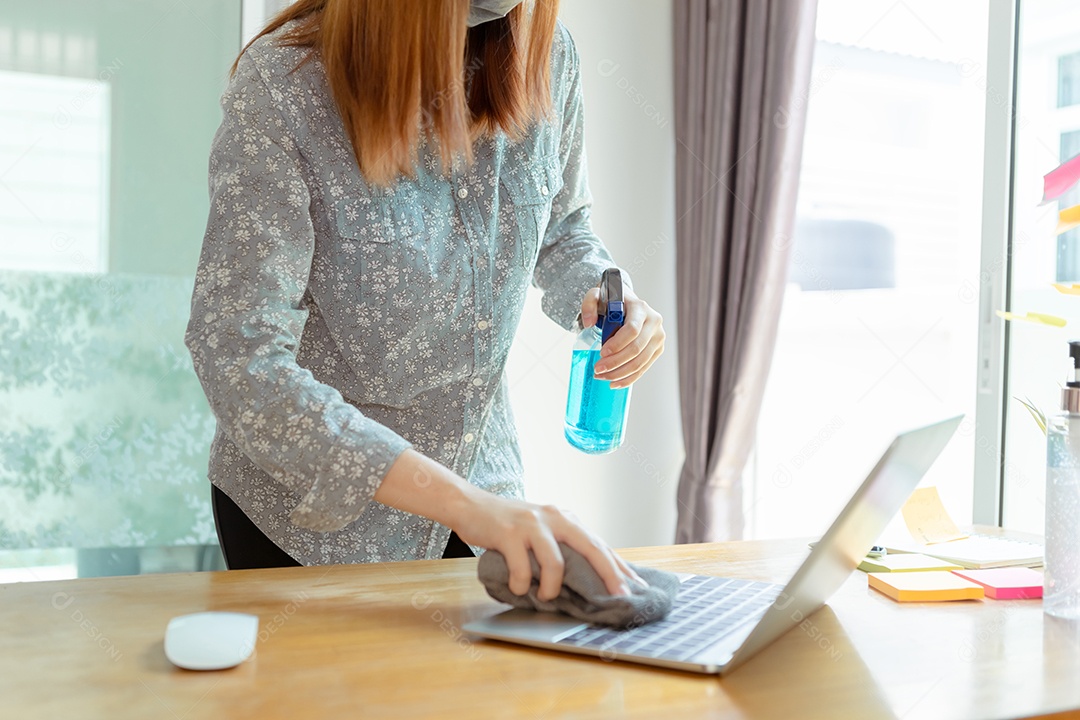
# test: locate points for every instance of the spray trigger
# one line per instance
(610, 313)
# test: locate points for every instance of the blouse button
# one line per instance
(463, 193)
(477, 381)
(482, 325)
(544, 190)
(469, 437)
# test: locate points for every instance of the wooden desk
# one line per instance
(383, 641)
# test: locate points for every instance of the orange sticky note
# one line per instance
(931, 586)
(1068, 219)
(927, 519)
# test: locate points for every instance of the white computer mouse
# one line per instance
(211, 640)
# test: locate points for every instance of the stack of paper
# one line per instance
(978, 551)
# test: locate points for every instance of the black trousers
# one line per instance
(245, 547)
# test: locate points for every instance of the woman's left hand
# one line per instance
(634, 347)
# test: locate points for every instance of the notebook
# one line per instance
(930, 531)
(1007, 583)
(976, 551)
(932, 586)
(906, 562)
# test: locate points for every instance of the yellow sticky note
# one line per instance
(927, 519)
(1064, 289)
(905, 562)
(1068, 219)
(1033, 317)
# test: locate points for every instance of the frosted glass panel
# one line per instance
(108, 109)
(106, 436)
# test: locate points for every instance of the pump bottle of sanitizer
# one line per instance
(1061, 591)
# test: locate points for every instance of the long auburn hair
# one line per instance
(402, 70)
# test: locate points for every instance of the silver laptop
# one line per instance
(718, 623)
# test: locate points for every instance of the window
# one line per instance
(1068, 80)
(878, 332)
(1068, 243)
(108, 110)
(65, 169)
(1047, 132)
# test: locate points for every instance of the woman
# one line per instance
(388, 178)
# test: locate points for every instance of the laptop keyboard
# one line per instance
(706, 609)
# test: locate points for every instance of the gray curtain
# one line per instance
(742, 71)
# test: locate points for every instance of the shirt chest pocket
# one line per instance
(528, 192)
(383, 275)
(384, 244)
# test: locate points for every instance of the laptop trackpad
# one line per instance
(527, 625)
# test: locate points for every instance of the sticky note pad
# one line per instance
(906, 562)
(926, 518)
(1060, 180)
(1013, 583)
(1068, 219)
(930, 586)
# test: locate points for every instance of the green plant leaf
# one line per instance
(1036, 413)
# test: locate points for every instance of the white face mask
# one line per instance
(482, 11)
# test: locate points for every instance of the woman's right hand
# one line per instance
(514, 528)
(418, 484)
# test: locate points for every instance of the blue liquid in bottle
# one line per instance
(595, 413)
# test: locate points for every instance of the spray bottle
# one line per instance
(596, 413)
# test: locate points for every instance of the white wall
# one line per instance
(627, 497)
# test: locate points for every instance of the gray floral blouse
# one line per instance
(335, 324)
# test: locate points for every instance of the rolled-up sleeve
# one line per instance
(572, 257)
(247, 316)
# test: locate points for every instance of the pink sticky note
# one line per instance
(1014, 583)
(1058, 181)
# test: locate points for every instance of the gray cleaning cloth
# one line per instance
(583, 594)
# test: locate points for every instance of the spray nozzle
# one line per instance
(1074, 353)
(610, 308)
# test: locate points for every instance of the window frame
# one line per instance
(991, 405)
